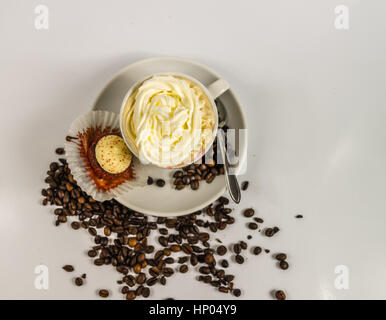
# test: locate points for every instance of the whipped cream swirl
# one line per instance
(169, 120)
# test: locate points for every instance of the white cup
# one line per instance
(212, 91)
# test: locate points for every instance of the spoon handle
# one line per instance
(231, 180)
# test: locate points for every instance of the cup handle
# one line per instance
(217, 88)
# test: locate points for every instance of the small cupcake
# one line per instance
(99, 159)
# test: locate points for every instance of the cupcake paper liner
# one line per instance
(76, 163)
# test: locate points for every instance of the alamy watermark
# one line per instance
(342, 18)
(41, 281)
(342, 280)
(42, 17)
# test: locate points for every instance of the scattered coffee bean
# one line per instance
(283, 265)
(244, 185)
(160, 182)
(249, 213)
(257, 251)
(281, 256)
(131, 295)
(68, 268)
(258, 220)
(59, 151)
(209, 259)
(184, 268)
(221, 250)
(243, 245)
(150, 181)
(145, 292)
(194, 185)
(75, 225)
(269, 232)
(78, 281)
(236, 292)
(239, 259)
(123, 242)
(103, 293)
(252, 226)
(223, 289)
(280, 295)
(237, 248)
(299, 216)
(92, 253)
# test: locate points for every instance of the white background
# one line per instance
(314, 98)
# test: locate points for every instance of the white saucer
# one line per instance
(166, 201)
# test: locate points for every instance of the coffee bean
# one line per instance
(59, 151)
(209, 259)
(92, 231)
(249, 212)
(243, 245)
(163, 231)
(193, 260)
(239, 259)
(236, 292)
(185, 180)
(141, 278)
(154, 272)
(184, 268)
(269, 232)
(131, 295)
(252, 226)
(145, 292)
(258, 220)
(224, 263)
(223, 289)
(281, 256)
(163, 281)
(84, 276)
(194, 185)
(152, 281)
(167, 272)
(178, 174)
(249, 237)
(245, 185)
(163, 241)
(257, 251)
(75, 225)
(68, 268)
(103, 293)
(283, 265)
(92, 253)
(204, 270)
(221, 250)
(150, 181)
(99, 262)
(160, 182)
(299, 216)
(78, 281)
(182, 259)
(180, 186)
(280, 295)
(223, 200)
(169, 260)
(236, 248)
